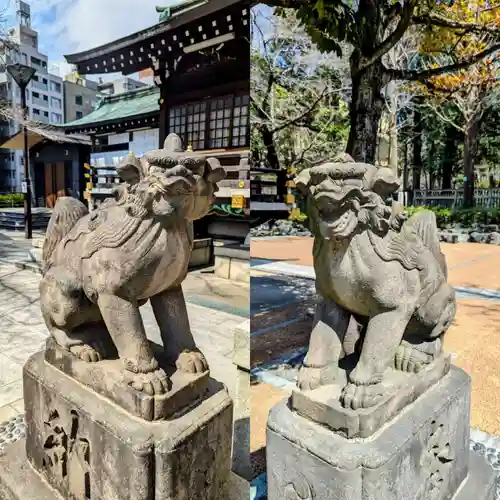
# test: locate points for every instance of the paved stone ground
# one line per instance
(283, 298)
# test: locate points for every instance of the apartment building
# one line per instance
(44, 96)
(120, 85)
(80, 96)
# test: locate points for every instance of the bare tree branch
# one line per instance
(411, 75)
(394, 37)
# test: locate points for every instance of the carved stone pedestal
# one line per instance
(82, 446)
(422, 454)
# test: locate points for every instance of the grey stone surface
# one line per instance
(323, 405)
(20, 482)
(382, 282)
(105, 379)
(100, 267)
(88, 447)
(241, 355)
(241, 436)
(423, 454)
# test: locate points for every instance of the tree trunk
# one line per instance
(393, 127)
(450, 154)
(417, 147)
(470, 149)
(271, 154)
(472, 128)
(365, 110)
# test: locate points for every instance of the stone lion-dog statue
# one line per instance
(100, 267)
(378, 267)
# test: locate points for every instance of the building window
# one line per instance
(46, 114)
(45, 97)
(55, 102)
(79, 115)
(78, 100)
(220, 122)
(44, 81)
(36, 94)
(212, 124)
(56, 118)
(241, 121)
(55, 87)
(36, 112)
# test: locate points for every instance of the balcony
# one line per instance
(41, 118)
(40, 86)
(36, 101)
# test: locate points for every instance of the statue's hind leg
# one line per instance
(64, 309)
(419, 349)
(325, 345)
(383, 336)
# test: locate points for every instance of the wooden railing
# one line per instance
(453, 198)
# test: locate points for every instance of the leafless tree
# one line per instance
(297, 93)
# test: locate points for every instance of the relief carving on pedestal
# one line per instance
(436, 461)
(298, 489)
(67, 455)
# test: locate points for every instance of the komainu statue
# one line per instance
(379, 270)
(100, 267)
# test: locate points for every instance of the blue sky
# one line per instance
(67, 26)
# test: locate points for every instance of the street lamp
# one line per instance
(22, 75)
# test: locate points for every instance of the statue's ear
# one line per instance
(384, 182)
(302, 181)
(214, 171)
(129, 169)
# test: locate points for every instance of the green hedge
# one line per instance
(466, 217)
(11, 200)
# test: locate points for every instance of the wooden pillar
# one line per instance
(163, 114)
(161, 73)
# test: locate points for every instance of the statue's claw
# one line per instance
(191, 362)
(411, 360)
(85, 352)
(309, 378)
(152, 383)
(361, 396)
(312, 377)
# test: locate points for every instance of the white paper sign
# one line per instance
(24, 187)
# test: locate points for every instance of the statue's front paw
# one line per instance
(191, 362)
(85, 352)
(361, 396)
(152, 383)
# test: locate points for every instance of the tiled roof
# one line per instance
(117, 107)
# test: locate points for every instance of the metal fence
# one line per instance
(453, 198)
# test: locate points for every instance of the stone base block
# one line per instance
(19, 481)
(422, 454)
(105, 378)
(86, 447)
(322, 405)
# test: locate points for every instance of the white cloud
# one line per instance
(68, 26)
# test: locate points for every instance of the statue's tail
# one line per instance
(425, 224)
(66, 213)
